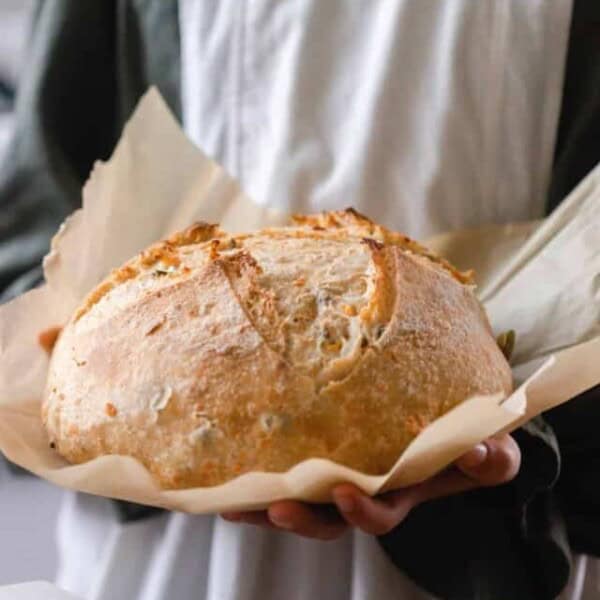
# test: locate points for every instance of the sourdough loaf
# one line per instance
(210, 355)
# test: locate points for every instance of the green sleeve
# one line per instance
(55, 140)
(87, 65)
(495, 543)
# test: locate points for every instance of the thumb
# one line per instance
(495, 461)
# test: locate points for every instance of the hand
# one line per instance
(491, 463)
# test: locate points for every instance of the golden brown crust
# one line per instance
(353, 221)
(164, 252)
(195, 234)
(209, 355)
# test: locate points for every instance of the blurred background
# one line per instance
(28, 506)
(14, 25)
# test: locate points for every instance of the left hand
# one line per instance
(491, 463)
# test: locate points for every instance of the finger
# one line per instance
(320, 522)
(493, 462)
(500, 464)
(444, 484)
(375, 516)
(473, 458)
(257, 517)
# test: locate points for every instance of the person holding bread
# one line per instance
(425, 116)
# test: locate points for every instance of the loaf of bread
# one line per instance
(210, 355)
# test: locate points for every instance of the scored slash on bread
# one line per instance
(209, 355)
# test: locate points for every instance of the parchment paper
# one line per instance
(540, 279)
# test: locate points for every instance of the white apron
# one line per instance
(425, 115)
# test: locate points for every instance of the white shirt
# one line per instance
(427, 116)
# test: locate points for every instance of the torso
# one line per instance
(425, 116)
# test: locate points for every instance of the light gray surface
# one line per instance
(28, 512)
(38, 590)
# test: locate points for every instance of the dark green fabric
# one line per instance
(89, 63)
(496, 543)
(578, 488)
(578, 137)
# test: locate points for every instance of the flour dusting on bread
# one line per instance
(209, 354)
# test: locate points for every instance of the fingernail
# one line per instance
(475, 456)
(345, 503)
(281, 521)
